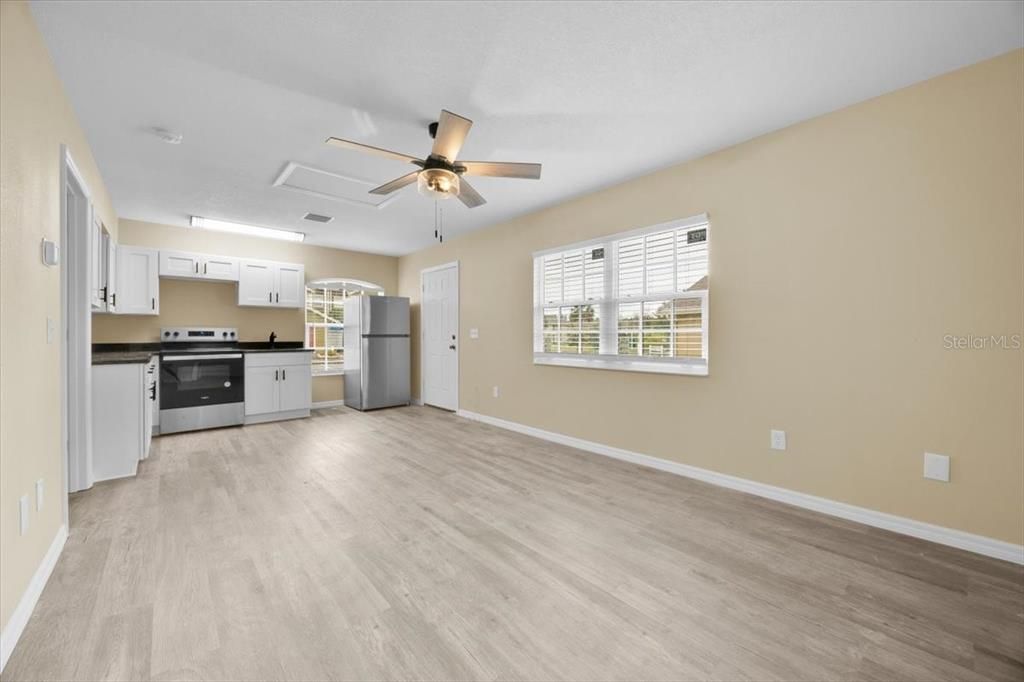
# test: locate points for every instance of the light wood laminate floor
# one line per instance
(413, 544)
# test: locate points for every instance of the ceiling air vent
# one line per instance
(317, 218)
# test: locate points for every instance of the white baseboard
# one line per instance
(19, 619)
(978, 544)
(341, 403)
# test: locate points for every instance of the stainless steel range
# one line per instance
(202, 378)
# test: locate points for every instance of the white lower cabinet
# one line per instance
(122, 418)
(278, 385)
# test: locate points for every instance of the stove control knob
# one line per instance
(232, 335)
(175, 334)
(167, 333)
(223, 333)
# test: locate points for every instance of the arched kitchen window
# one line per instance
(325, 320)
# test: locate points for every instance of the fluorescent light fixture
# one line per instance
(250, 230)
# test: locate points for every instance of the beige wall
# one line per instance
(35, 119)
(216, 303)
(843, 249)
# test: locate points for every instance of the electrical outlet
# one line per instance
(495, 392)
(39, 495)
(778, 440)
(23, 515)
(936, 467)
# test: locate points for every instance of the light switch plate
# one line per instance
(51, 253)
(495, 392)
(39, 495)
(51, 329)
(778, 440)
(474, 333)
(936, 467)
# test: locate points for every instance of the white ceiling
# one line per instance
(597, 92)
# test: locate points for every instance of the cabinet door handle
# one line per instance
(197, 267)
(284, 374)
(277, 298)
(113, 299)
(103, 297)
(276, 372)
(270, 297)
(152, 303)
(204, 267)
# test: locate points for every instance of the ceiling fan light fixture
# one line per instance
(438, 183)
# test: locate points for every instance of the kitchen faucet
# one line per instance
(273, 335)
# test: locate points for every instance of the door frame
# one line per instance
(458, 328)
(75, 341)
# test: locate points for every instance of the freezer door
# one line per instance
(384, 375)
(384, 315)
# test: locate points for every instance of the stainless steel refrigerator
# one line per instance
(376, 352)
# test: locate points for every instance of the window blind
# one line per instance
(637, 297)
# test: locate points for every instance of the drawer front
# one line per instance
(283, 359)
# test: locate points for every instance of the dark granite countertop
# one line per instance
(278, 347)
(140, 353)
(123, 357)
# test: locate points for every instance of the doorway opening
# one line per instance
(76, 330)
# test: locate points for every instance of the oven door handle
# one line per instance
(214, 356)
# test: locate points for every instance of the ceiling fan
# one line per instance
(440, 175)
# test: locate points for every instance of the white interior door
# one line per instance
(439, 319)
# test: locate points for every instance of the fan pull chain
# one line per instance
(438, 222)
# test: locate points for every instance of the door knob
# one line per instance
(452, 346)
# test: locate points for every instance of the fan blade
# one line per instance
(396, 184)
(451, 133)
(348, 144)
(469, 196)
(499, 169)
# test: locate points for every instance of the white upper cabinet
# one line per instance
(96, 268)
(220, 268)
(256, 283)
(186, 265)
(271, 285)
(138, 283)
(102, 268)
(291, 286)
(179, 264)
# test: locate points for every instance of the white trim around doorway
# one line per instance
(75, 341)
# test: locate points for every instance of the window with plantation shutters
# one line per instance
(636, 301)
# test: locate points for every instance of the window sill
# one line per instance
(651, 366)
(332, 373)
